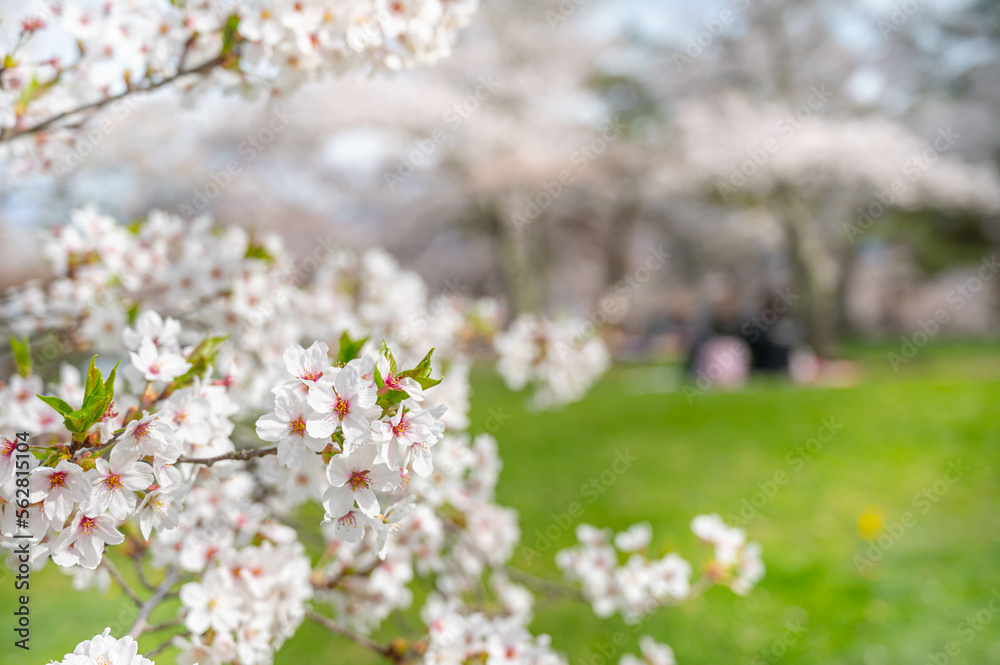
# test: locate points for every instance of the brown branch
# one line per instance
(173, 623)
(45, 124)
(106, 562)
(543, 585)
(166, 643)
(241, 455)
(140, 626)
(386, 651)
(141, 574)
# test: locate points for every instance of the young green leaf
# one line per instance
(59, 405)
(22, 355)
(349, 348)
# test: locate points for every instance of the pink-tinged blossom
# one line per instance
(115, 483)
(348, 404)
(104, 649)
(8, 459)
(306, 365)
(82, 542)
(409, 436)
(157, 510)
(356, 477)
(150, 325)
(287, 426)
(351, 527)
(211, 603)
(61, 488)
(156, 365)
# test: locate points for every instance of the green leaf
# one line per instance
(423, 368)
(426, 381)
(97, 397)
(59, 405)
(390, 399)
(201, 358)
(22, 355)
(349, 349)
(229, 34)
(133, 312)
(94, 379)
(257, 252)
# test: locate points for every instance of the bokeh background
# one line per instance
(816, 179)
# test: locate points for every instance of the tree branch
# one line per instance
(141, 574)
(110, 567)
(386, 651)
(149, 87)
(140, 625)
(241, 455)
(166, 643)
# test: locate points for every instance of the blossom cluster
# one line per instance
(247, 603)
(103, 649)
(559, 358)
(653, 653)
(67, 55)
(737, 562)
(641, 584)
(367, 416)
(459, 636)
(252, 385)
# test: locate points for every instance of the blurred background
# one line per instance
(784, 218)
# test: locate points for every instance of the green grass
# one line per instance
(898, 433)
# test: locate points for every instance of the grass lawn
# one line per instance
(894, 438)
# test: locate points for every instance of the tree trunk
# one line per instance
(816, 273)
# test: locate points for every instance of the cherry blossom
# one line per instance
(157, 365)
(104, 649)
(287, 426)
(61, 488)
(348, 404)
(82, 542)
(356, 477)
(115, 483)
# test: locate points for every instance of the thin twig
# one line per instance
(241, 455)
(139, 627)
(45, 124)
(542, 584)
(173, 623)
(141, 574)
(106, 562)
(166, 643)
(385, 651)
